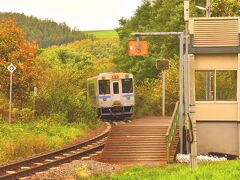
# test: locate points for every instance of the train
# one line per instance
(112, 94)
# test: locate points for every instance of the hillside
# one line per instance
(45, 32)
(103, 33)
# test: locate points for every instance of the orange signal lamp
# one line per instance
(137, 48)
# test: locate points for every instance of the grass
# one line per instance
(103, 33)
(228, 170)
(21, 140)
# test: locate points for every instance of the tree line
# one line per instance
(45, 32)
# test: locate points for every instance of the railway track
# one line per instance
(30, 166)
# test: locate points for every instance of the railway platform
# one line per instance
(140, 142)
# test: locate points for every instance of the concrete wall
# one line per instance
(217, 137)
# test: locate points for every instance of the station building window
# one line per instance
(204, 84)
(216, 85)
(226, 85)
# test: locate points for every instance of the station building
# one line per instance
(214, 83)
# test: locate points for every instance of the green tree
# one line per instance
(161, 16)
(225, 8)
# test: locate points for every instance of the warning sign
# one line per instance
(137, 48)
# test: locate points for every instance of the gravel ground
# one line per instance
(78, 168)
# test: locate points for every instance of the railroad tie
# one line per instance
(40, 173)
(91, 155)
(49, 160)
(98, 152)
(94, 144)
(24, 178)
(74, 152)
(58, 157)
(25, 167)
(38, 164)
(10, 172)
(54, 168)
(85, 158)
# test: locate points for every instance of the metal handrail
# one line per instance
(171, 131)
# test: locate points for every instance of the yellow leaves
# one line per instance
(15, 49)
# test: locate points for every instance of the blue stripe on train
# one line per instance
(104, 96)
(128, 95)
(124, 95)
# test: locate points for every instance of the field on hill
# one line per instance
(103, 33)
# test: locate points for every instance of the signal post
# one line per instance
(136, 50)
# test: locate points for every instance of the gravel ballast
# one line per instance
(76, 169)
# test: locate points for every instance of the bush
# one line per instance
(61, 93)
(21, 139)
(148, 93)
(23, 115)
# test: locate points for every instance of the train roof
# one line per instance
(107, 75)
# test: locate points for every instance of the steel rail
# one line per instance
(28, 162)
(54, 163)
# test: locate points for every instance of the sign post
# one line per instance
(11, 68)
(163, 65)
(34, 99)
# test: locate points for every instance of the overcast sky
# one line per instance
(83, 14)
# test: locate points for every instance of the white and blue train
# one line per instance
(112, 94)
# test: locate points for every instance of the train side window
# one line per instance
(104, 86)
(91, 91)
(115, 88)
(127, 85)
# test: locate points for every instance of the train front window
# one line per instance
(127, 85)
(115, 88)
(104, 86)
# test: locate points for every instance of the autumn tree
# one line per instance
(15, 49)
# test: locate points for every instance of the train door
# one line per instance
(116, 93)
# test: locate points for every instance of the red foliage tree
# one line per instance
(15, 49)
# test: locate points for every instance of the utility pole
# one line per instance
(186, 18)
(193, 156)
(208, 8)
(163, 92)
